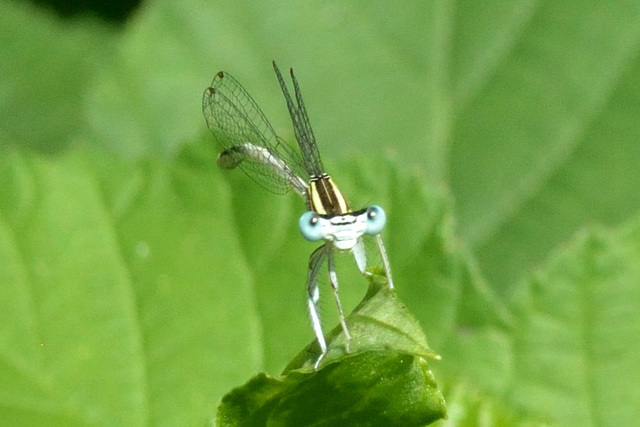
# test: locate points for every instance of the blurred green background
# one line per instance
(138, 283)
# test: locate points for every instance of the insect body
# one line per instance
(250, 143)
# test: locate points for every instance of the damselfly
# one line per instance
(250, 143)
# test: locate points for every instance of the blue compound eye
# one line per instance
(376, 219)
(310, 226)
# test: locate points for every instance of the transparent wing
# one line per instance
(301, 125)
(237, 122)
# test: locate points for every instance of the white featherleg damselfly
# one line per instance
(249, 142)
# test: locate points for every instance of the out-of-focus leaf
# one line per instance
(117, 279)
(576, 337)
(544, 134)
(46, 69)
(467, 406)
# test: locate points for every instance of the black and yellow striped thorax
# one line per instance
(324, 197)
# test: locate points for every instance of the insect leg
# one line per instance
(315, 262)
(333, 278)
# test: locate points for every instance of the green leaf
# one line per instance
(467, 406)
(576, 337)
(42, 99)
(544, 140)
(484, 129)
(116, 281)
(380, 321)
(383, 380)
(371, 388)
